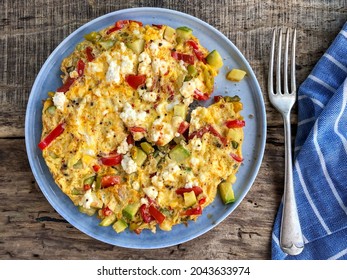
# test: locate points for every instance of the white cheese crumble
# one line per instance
(169, 172)
(160, 66)
(136, 185)
(124, 147)
(87, 199)
(127, 65)
(123, 48)
(194, 161)
(128, 164)
(149, 96)
(113, 72)
(196, 144)
(188, 88)
(157, 182)
(95, 67)
(151, 192)
(59, 100)
(144, 200)
(144, 63)
(131, 116)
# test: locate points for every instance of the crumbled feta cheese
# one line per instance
(123, 48)
(128, 164)
(136, 185)
(124, 147)
(157, 182)
(127, 65)
(188, 88)
(177, 134)
(95, 67)
(59, 100)
(151, 192)
(113, 72)
(169, 172)
(87, 199)
(161, 130)
(194, 161)
(149, 96)
(144, 63)
(97, 92)
(132, 117)
(160, 66)
(144, 200)
(149, 82)
(136, 32)
(154, 47)
(73, 74)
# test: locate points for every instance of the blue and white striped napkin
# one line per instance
(320, 162)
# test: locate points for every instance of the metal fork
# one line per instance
(291, 239)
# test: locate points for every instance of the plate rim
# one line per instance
(260, 109)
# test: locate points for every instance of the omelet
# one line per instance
(120, 136)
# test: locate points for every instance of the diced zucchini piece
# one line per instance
(120, 226)
(89, 181)
(78, 164)
(208, 78)
(169, 33)
(130, 210)
(106, 44)
(214, 59)
(76, 191)
(180, 110)
(89, 212)
(189, 198)
(234, 98)
(234, 144)
(138, 155)
(92, 36)
(236, 75)
(51, 110)
(183, 33)
(98, 183)
(179, 154)
(226, 192)
(192, 70)
(148, 149)
(137, 46)
(108, 220)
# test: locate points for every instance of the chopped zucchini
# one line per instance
(138, 155)
(76, 191)
(78, 164)
(183, 33)
(137, 46)
(180, 110)
(120, 226)
(130, 210)
(51, 110)
(108, 220)
(92, 36)
(236, 75)
(179, 154)
(147, 147)
(214, 59)
(189, 198)
(106, 44)
(192, 70)
(89, 181)
(169, 33)
(226, 192)
(234, 98)
(89, 212)
(208, 78)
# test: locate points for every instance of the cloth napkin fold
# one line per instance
(320, 159)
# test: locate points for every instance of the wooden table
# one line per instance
(30, 30)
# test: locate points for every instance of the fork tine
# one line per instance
(271, 63)
(285, 65)
(292, 76)
(278, 65)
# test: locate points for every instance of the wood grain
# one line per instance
(30, 31)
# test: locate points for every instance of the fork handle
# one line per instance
(291, 239)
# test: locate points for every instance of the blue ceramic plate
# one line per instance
(248, 89)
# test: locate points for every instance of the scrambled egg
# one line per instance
(120, 137)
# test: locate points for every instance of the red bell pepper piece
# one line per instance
(197, 190)
(51, 136)
(198, 95)
(89, 53)
(160, 26)
(217, 98)
(202, 201)
(109, 180)
(200, 55)
(66, 86)
(96, 167)
(193, 44)
(183, 127)
(80, 67)
(208, 128)
(236, 157)
(156, 214)
(111, 160)
(136, 129)
(235, 123)
(118, 25)
(182, 56)
(135, 80)
(87, 187)
(146, 217)
(106, 211)
(130, 140)
(193, 211)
